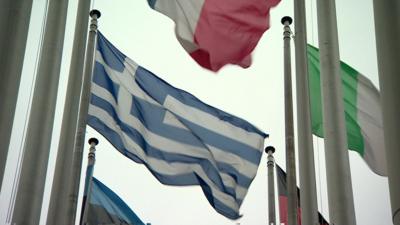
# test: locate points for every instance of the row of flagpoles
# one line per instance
(337, 159)
(62, 199)
(14, 30)
(340, 194)
(41, 118)
(13, 34)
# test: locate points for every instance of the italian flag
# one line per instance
(362, 109)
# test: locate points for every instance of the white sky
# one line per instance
(255, 94)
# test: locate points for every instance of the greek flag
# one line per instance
(180, 139)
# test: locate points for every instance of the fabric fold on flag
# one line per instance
(283, 205)
(181, 140)
(363, 113)
(106, 207)
(218, 32)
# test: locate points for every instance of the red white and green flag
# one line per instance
(363, 115)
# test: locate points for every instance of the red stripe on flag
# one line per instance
(228, 31)
(283, 213)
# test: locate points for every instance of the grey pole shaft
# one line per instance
(289, 130)
(387, 31)
(82, 116)
(89, 176)
(60, 203)
(14, 23)
(271, 186)
(308, 190)
(40, 126)
(340, 192)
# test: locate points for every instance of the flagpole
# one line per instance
(271, 185)
(14, 23)
(29, 196)
(340, 192)
(59, 200)
(73, 189)
(289, 131)
(387, 32)
(88, 181)
(308, 190)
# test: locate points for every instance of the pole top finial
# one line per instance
(286, 19)
(93, 140)
(95, 12)
(269, 148)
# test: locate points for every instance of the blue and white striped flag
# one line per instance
(180, 139)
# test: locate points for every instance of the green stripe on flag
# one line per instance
(349, 81)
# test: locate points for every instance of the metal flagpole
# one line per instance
(40, 126)
(308, 190)
(59, 200)
(88, 181)
(271, 185)
(340, 193)
(14, 23)
(289, 131)
(73, 189)
(387, 32)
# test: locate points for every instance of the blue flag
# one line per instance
(105, 207)
(180, 139)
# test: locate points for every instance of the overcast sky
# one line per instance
(255, 94)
